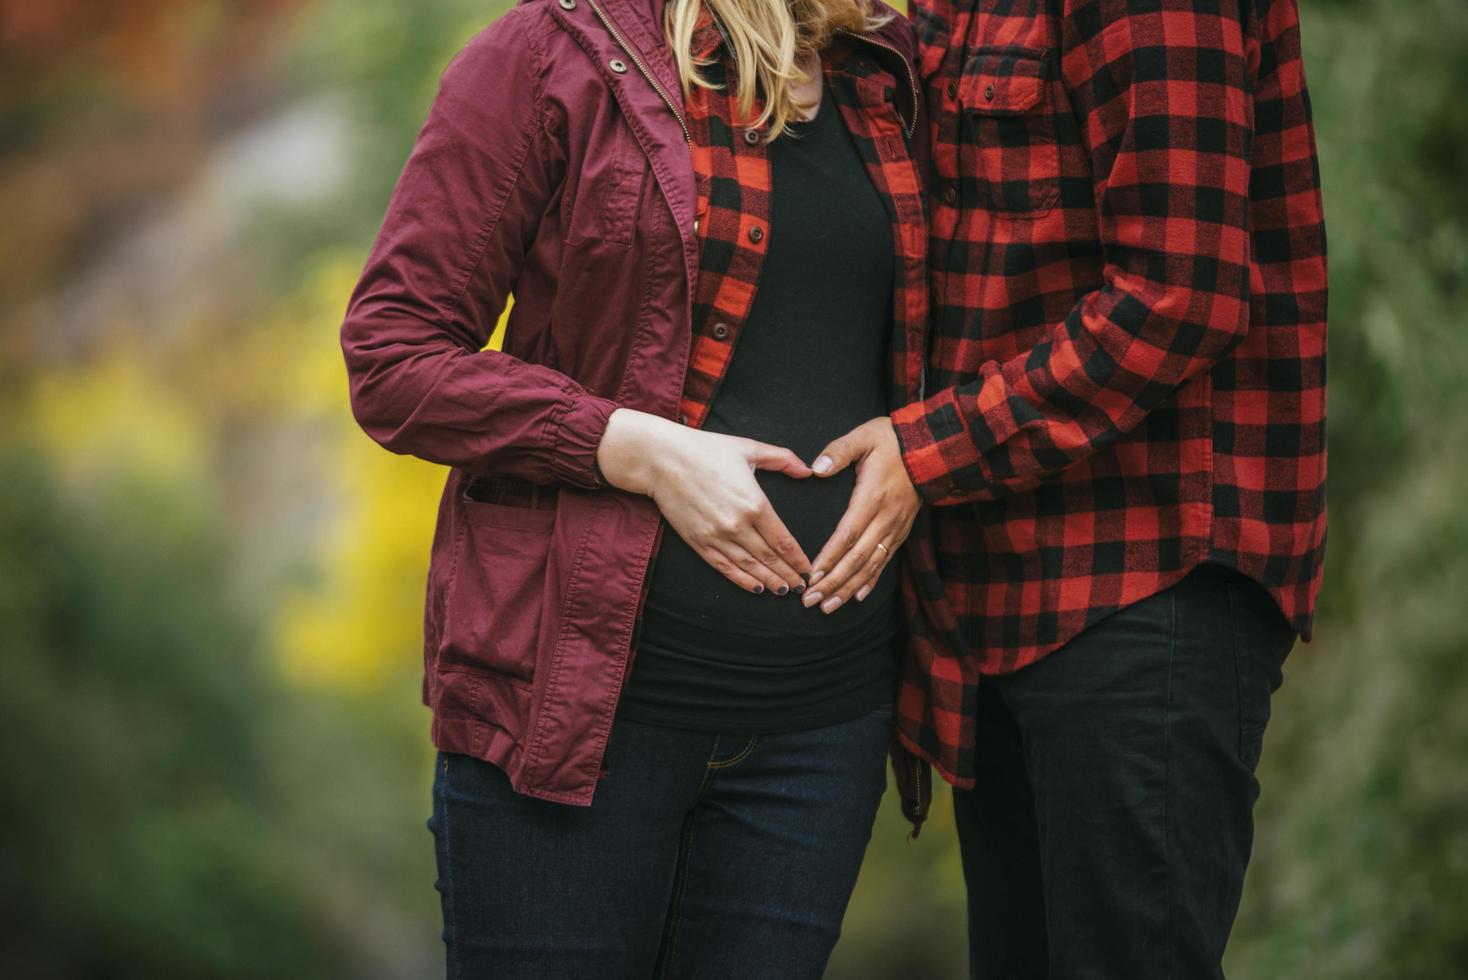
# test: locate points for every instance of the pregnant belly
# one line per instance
(686, 593)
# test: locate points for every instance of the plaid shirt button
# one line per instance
(721, 331)
(751, 137)
(950, 194)
(756, 234)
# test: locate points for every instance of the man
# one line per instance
(1123, 443)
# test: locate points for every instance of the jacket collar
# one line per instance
(637, 26)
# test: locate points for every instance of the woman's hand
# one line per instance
(704, 484)
(883, 506)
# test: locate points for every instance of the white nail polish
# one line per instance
(822, 464)
(832, 604)
(861, 594)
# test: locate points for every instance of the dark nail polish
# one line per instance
(799, 589)
(782, 590)
(758, 589)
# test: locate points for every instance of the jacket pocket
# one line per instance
(1009, 142)
(494, 598)
(608, 187)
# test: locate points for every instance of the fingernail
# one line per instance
(831, 604)
(822, 464)
(782, 590)
(863, 592)
(799, 589)
(811, 598)
(758, 589)
(816, 577)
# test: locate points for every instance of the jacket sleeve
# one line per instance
(451, 247)
(1162, 93)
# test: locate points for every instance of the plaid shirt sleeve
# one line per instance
(1161, 90)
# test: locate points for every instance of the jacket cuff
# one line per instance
(936, 448)
(578, 432)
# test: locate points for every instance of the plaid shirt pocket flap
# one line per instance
(1002, 83)
(1009, 148)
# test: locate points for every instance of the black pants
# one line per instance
(1111, 824)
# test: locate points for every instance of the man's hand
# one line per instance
(703, 482)
(877, 520)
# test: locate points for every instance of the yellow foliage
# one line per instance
(363, 618)
(109, 416)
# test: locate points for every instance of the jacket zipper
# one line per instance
(642, 67)
(907, 129)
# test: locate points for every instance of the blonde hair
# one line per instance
(769, 40)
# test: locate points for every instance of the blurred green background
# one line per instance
(213, 761)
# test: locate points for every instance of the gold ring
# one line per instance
(884, 549)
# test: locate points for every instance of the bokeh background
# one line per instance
(213, 762)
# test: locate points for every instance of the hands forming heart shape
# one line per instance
(703, 482)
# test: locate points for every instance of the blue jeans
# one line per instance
(702, 856)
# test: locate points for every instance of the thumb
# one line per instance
(838, 454)
(777, 459)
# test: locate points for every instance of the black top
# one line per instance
(810, 363)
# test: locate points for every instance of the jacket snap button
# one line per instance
(751, 137)
(756, 234)
(617, 65)
(950, 194)
(568, 4)
(721, 331)
(683, 419)
(989, 92)
(952, 86)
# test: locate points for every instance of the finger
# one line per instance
(788, 578)
(861, 511)
(785, 578)
(727, 568)
(777, 459)
(778, 537)
(838, 454)
(751, 566)
(840, 583)
(881, 558)
(876, 565)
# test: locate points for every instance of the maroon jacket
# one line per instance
(554, 164)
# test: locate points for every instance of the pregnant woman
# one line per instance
(655, 756)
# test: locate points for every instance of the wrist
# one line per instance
(626, 455)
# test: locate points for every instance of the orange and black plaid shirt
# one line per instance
(1127, 362)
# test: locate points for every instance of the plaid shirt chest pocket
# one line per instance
(1009, 147)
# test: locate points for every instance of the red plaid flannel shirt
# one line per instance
(873, 81)
(732, 167)
(1127, 367)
